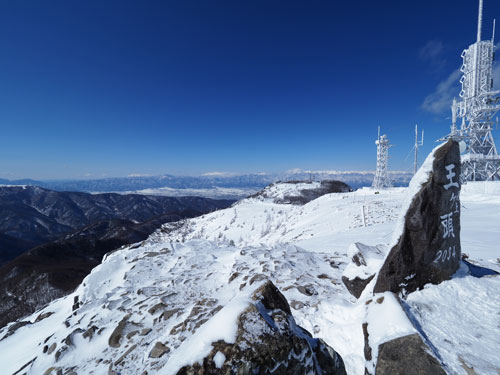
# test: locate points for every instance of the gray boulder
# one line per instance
(269, 342)
(407, 355)
(428, 250)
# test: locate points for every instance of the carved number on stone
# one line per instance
(445, 255)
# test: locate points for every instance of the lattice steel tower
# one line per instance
(381, 180)
(477, 107)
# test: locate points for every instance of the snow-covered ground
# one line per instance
(170, 286)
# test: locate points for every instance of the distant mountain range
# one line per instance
(49, 241)
(206, 185)
(54, 269)
(31, 215)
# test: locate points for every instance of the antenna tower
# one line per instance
(417, 145)
(381, 180)
(478, 105)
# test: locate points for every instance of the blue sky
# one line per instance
(112, 88)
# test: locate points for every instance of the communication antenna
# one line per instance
(381, 180)
(479, 20)
(417, 145)
(493, 33)
(476, 107)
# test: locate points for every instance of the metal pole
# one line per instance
(480, 20)
(416, 150)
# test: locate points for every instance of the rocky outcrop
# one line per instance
(392, 343)
(407, 355)
(301, 192)
(428, 250)
(365, 261)
(269, 342)
(356, 285)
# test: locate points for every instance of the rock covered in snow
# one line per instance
(269, 341)
(301, 192)
(428, 249)
(393, 344)
(365, 261)
(183, 287)
(407, 355)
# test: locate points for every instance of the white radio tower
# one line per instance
(381, 180)
(478, 105)
(417, 145)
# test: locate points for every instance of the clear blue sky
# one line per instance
(111, 88)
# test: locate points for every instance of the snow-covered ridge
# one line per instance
(146, 301)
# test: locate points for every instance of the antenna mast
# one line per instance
(479, 20)
(417, 145)
(477, 107)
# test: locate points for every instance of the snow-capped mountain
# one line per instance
(210, 185)
(169, 301)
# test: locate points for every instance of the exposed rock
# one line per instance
(69, 339)
(367, 350)
(115, 338)
(158, 350)
(51, 348)
(269, 341)
(296, 305)
(407, 355)
(43, 316)
(307, 290)
(356, 285)
(365, 261)
(428, 250)
(122, 357)
(90, 332)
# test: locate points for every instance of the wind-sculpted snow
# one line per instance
(259, 220)
(168, 294)
(462, 321)
(162, 292)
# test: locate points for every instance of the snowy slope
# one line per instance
(176, 283)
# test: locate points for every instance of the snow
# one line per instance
(222, 326)
(461, 318)
(219, 359)
(386, 321)
(189, 284)
(372, 257)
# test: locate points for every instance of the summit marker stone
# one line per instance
(428, 250)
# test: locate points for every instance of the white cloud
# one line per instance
(440, 100)
(433, 53)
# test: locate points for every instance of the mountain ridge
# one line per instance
(33, 215)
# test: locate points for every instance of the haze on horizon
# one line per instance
(106, 88)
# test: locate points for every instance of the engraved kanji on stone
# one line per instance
(455, 202)
(450, 176)
(447, 223)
